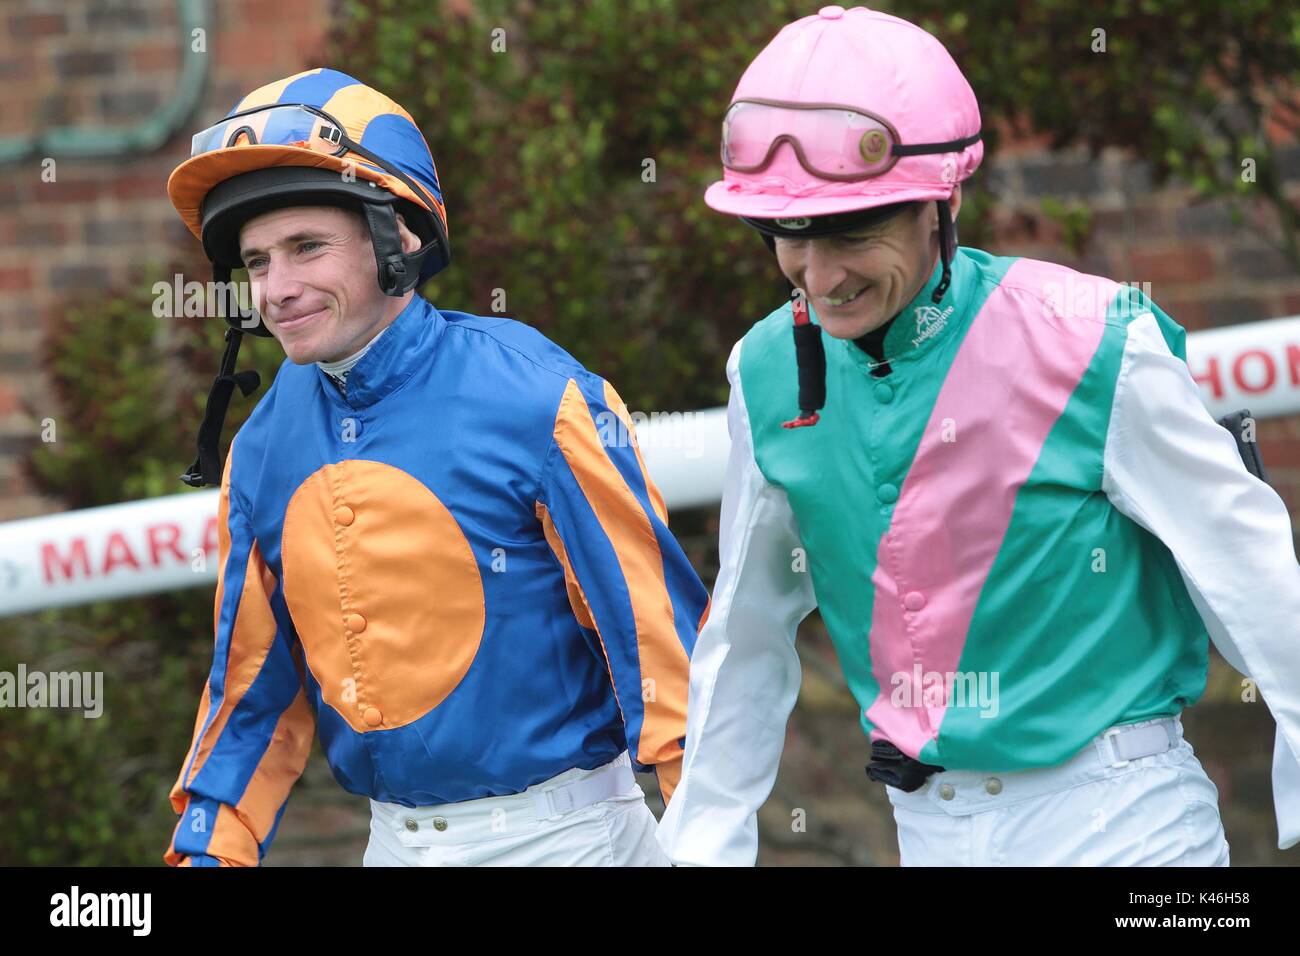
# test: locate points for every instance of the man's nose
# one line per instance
(822, 270)
(279, 283)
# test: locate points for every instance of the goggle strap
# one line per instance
(921, 149)
(391, 170)
(810, 362)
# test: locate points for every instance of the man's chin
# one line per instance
(849, 327)
(303, 353)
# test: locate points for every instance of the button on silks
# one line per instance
(356, 623)
(947, 791)
(914, 600)
(887, 493)
(993, 785)
(344, 515)
(373, 717)
(440, 823)
(884, 393)
(411, 825)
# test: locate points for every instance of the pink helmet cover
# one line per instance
(873, 62)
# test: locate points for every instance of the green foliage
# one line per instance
(1195, 89)
(81, 791)
(542, 150)
(128, 392)
(1075, 220)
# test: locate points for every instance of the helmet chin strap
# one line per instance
(398, 273)
(208, 466)
(810, 354)
(947, 244)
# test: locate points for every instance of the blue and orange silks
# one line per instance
(460, 573)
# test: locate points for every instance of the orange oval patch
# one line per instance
(389, 604)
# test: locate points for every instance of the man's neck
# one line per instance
(873, 342)
(338, 370)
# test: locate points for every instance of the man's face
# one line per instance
(858, 281)
(313, 274)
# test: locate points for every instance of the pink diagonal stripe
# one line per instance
(1017, 367)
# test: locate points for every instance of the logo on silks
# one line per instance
(929, 322)
(802, 222)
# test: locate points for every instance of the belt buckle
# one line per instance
(1110, 736)
(552, 805)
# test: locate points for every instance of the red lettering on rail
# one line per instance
(1269, 366)
(1212, 377)
(52, 561)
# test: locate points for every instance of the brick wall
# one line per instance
(1204, 270)
(106, 64)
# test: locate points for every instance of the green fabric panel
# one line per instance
(1076, 648)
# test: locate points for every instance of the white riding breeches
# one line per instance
(1096, 809)
(577, 818)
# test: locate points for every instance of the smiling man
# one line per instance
(302, 264)
(1001, 489)
(860, 278)
(427, 553)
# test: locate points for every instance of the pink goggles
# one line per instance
(831, 141)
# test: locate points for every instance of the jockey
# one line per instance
(440, 550)
(998, 483)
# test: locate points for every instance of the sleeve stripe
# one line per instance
(250, 640)
(243, 759)
(636, 546)
(280, 767)
(669, 775)
(577, 600)
(581, 609)
(231, 841)
(616, 404)
(178, 788)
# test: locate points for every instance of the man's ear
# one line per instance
(410, 241)
(954, 201)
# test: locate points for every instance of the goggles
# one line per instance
(832, 142)
(293, 124)
(275, 125)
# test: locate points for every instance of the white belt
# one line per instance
(552, 802)
(1132, 743)
(485, 817)
(959, 792)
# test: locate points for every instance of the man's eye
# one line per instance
(255, 263)
(309, 246)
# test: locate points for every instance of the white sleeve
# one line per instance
(745, 672)
(1175, 471)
